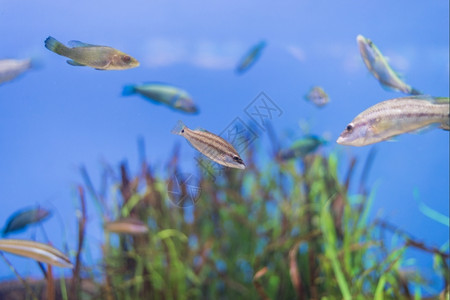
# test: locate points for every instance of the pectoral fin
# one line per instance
(74, 63)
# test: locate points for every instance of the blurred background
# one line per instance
(56, 117)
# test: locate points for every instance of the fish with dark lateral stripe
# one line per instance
(212, 146)
(396, 116)
(98, 57)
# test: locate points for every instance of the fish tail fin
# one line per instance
(128, 90)
(178, 128)
(53, 45)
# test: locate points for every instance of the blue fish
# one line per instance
(251, 57)
(171, 96)
(301, 147)
(21, 219)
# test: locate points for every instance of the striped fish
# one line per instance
(379, 67)
(212, 146)
(396, 116)
(127, 225)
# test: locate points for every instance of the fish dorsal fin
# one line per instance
(78, 44)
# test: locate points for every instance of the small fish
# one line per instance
(37, 251)
(171, 96)
(98, 57)
(317, 96)
(11, 68)
(127, 225)
(251, 57)
(379, 67)
(393, 117)
(302, 147)
(212, 146)
(23, 218)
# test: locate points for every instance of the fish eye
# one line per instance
(126, 58)
(237, 159)
(349, 127)
(182, 130)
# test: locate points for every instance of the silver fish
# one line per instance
(11, 68)
(98, 57)
(379, 67)
(37, 251)
(393, 117)
(212, 146)
(127, 226)
(171, 96)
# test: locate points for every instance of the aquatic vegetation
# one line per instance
(284, 231)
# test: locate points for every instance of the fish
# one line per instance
(98, 57)
(23, 218)
(396, 116)
(379, 67)
(301, 147)
(11, 68)
(127, 225)
(37, 251)
(317, 96)
(171, 96)
(212, 146)
(250, 57)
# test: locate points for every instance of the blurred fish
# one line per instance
(98, 57)
(302, 147)
(396, 116)
(171, 96)
(21, 219)
(251, 57)
(127, 225)
(37, 251)
(317, 96)
(212, 146)
(11, 68)
(379, 67)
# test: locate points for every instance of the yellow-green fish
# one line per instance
(317, 96)
(379, 67)
(98, 57)
(127, 226)
(37, 251)
(250, 57)
(171, 96)
(396, 116)
(212, 146)
(11, 68)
